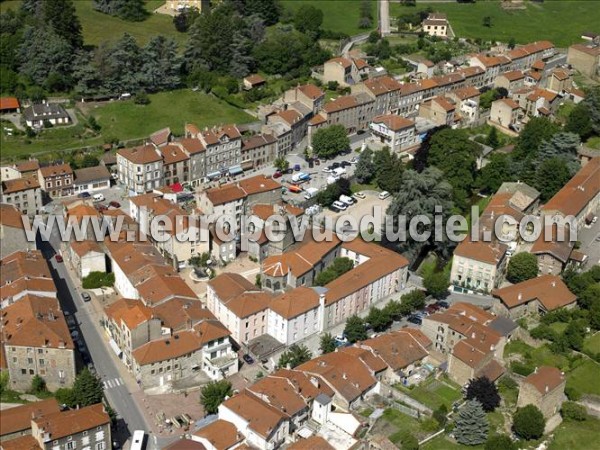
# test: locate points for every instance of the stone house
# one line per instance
(37, 341)
(218, 435)
(545, 389)
(511, 81)
(467, 101)
(439, 111)
(140, 168)
(394, 131)
(12, 231)
(253, 81)
(87, 427)
(353, 112)
(559, 81)
(258, 150)
(344, 71)
(296, 121)
(37, 115)
(473, 359)
(56, 180)
(552, 254)
(536, 296)
(176, 164)
(507, 113)
(86, 257)
(24, 193)
(585, 58)
(16, 422)
(385, 91)
(436, 24)
(25, 273)
(194, 148)
(478, 265)
(308, 95)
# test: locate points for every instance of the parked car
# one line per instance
(86, 297)
(98, 198)
(294, 188)
(248, 359)
(443, 304)
(345, 163)
(58, 258)
(277, 174)
(327, 169)
(336, 165)
(114, 204)
(84, 195)
(360, 195)
(383, 195)
(339, 205)
(296, 167)
(334, 209)
(415, 319)
(348, 201)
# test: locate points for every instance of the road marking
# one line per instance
(112, 383)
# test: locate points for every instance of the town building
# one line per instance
(580, 197)
(16, 422)
(466, 99)
(222, 146)
(511, 81)
(258, 150)
(24, 193)
(36, 341)
(507, 114)
(295, 315)
(253, 81)
(536, 296)
(585, 58)
(24, 273)
(38, 115)
(344, 71)
(545, 389)
(395, 131)
(559, 81)
(439, 111)
(176, 164)
(140, 168)
(91, 179)
(56, 180)
(353, 112)
(384, 90)
(87, 256)
(308, 95)
(553, 249)
(9, 105)
(12, 230)
(290, 118)
(436, 24)
(87, 427)
(218, 435)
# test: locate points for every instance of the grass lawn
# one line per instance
(561, 22)
(496, 420)
(126, 120)
(363, 187)
(593, 142)
(340, 16)
(559, 327)
(577, 435)
(99, 27)
(541, 356)
(443, 443)
(585, 378)
(592, 343)
(433, 394)
(401, 422)
(52, 139)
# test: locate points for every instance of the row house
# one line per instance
(474, 76)
(308, 95)
(22, 169)
(385, 91)
(16, 422)
(259, 150)
(56, 180)
(580, 197)
(196, 151)
(554, 249)
(448, 82)
(295, 121)
(161, 137)
(395, 131)
(536, 296)
(585, 58)
(140, 168)
(559, 81)
(439, 111)
(353, 112)
(492, 65)
(91, 179)
(537, 102)
(507, 114)
(176, 164)
(87, 256)
(512, 81)
(24, 193)
(295, 315)
(524, 56)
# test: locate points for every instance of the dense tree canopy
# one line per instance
(339, 267)
(327, 343)
(484, 391)
(471, 424)
(537, 130)
(332, 192)
(87, 389)
(131, 10)
(388, 170)
(521, 267)
(579, 121)
(529, 422)
(355, 329)
(365, 169)
(294, 356)
(308, 19)
(213, 394)
(330, 141)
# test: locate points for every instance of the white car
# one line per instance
(339, 205)
(383, 195)
(327, 170)
(360, 195)
(354, 160)
(346, 200)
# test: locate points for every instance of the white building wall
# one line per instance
(92, 262)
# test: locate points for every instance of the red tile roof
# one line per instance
(549, 290)
(141, 155)
(9, 103)
(394, 122)
(545, 379)
(19, 418)
(66, 423)
(221, 434)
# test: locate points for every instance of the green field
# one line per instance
(338, 15)
(561, 22)
(126, 120)
(444, 443)
(577, 435)
(592, 344)
(433, 394)
(585, 378)
(99, 27)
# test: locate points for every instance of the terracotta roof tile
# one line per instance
(141, 155)
(221, 434)
(10, 216)
(399, 348)
(172, 347)
(545, 379)
(19, 185)
(394, 122)
(88, 174)
(279, 393)
(181, 313)
(261, 418)
(293, 303)
(549, 290)
(312, 443)
(84, 247)
(19, 418)
(311, 91)
(59, 169)
(229, 285)
(161, 137)
(27, 442)
(254, 79)
(66, 423)
(248, 304)
(9, 103)
(173, 154)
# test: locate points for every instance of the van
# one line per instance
(383, 195)
(98, 198)
(346, 200)
(310, 193)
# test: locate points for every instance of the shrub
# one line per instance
(430, 425)
(521, 368)
(38, 385)
(507, 382)
(572, 393)
(529, 422)
(499, 442)
(573, 411)
(141, 98)
(96, 280)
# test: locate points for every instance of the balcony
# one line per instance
(220, 362)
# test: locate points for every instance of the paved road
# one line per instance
(116, 390)
(384, 17)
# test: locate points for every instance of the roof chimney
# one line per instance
(520, 296)
(553, 284)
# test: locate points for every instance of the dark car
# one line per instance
(86, 297)
(345, 163)
(114, 204)
(101, 207)
(415, 319)
(334, 209)
(431, 309)
(58, 258)
(289, 171)
(336, 165)
(248, 359)
(277, 174)
(296, 167)
(84, 195)
(443, 304)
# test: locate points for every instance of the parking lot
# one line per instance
(370, 206)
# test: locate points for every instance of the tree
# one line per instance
(485, 392)
(412, 301)
(575, 333)
(281, 163)
(365, 168)
(87, 389)
(294, 356)
(327, 343)
(487, 21)
(512, 42)
(437, 284)
(161, 64)
(333, 192)
(500, 442)
(589, 296)
(339, 267)
(330, 141)
(492, 138)
(268, 10)
(38, 385)
(471, 424)
(441, 415)
(573, 411)
(495, 172)
(388, 170)
(355, 329)
(420, 194)
(592, 101)
(308, 19)
(551, 176)
(64, 396)
(213, 394)
(595, 314)
(529, 422)
(130, 10)
(579, 121)
(379, 319)
(537, 130)
(393, 309)
(185, 19)
(522, 266)
(62, 17)
(90, 160)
